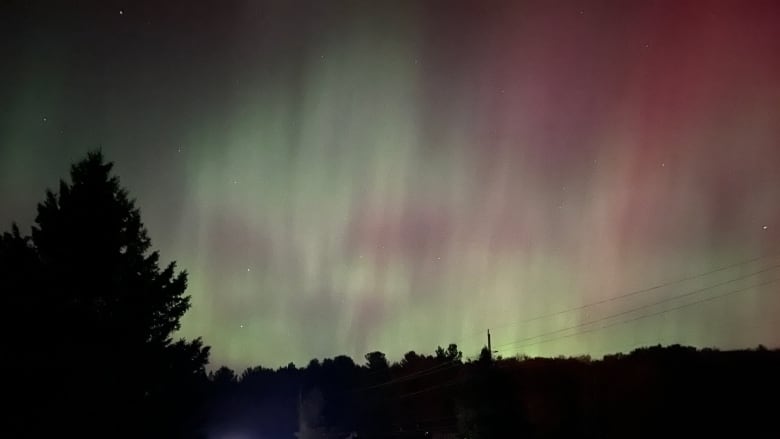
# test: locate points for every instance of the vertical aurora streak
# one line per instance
(345, 178)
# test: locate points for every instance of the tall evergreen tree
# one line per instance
(103, 309)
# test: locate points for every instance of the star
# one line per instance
(663, 165)
(45, 119)
(248, 270)
(121, 12)
(765, 227)
(241, 326)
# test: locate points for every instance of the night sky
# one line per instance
(342, 177)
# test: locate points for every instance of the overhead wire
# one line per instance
(450, 364)
(637, 292)
(644, 316)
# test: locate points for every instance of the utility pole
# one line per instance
(490, 348)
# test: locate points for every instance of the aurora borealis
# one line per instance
(342, 177)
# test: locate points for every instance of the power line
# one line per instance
(428, 389)
(669, 299)
(414, 375)
(462, 379)
(453, 363)
(636, 292)
(697, 302)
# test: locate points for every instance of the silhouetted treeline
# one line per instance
(651, 392)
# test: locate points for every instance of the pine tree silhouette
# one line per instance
(102, 313)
